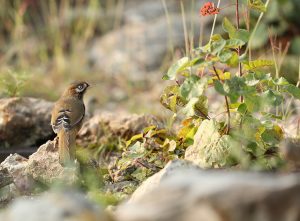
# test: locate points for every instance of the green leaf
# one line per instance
(253, 102)
(273, 98)
(234, 43)
(242, 109)
(257, 5)
(210, 148)
(141, 173)
(219, 87)
(169, 97)
(252, 65)
(134, 138)
(241, 34)
(225, 55)
(228, 27)
(147, 129)
(253, 78)
(271, 116)
(280, 81)
(217, 46)
(193, 86)
(236, 87)
(216, 37)
(177, 67)
(293, 90)
(234, 60)
(196, 107)
(201, 107)
(205, 48)
(270, 137)
(196, 61)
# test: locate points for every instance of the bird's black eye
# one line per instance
(80, 87)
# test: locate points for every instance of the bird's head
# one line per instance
(77, 89)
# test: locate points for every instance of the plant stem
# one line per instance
(255, 27)
(226, 101)
(186, 37)
(214, 23)
(237, 15)
(292, 99)
(170, 34)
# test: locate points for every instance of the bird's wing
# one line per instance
(67, 113)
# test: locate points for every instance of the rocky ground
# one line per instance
(37, 187)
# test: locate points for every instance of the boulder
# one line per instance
(16, 180)
(24, 122)
(43, 164)
(54, 206)
(16, 165)
(155, 180)
(189, 194)
(123, 125)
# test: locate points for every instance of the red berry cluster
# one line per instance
(209, 9)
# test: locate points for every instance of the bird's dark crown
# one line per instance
(77, 88)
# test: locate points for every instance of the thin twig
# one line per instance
(186, 38)
(214, 23)
(237, 15)
(292, 99)
(227, 103)
(207, 117)
(255, 28)
(170, 33)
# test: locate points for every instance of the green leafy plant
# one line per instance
(11, 83)
(248, 130)
(145, 154)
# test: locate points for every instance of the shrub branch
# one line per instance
(227, 103)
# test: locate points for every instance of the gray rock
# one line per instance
(16, 167)
(5, 178)
(118, 124)
(155, 180)
(43, 165)
(24, 121)
(54, 206)
(193, 194)
(21, 183)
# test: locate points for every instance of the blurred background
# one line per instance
(122, 47)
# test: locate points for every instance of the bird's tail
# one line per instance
(66, 147)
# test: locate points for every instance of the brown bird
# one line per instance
(67, 118)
